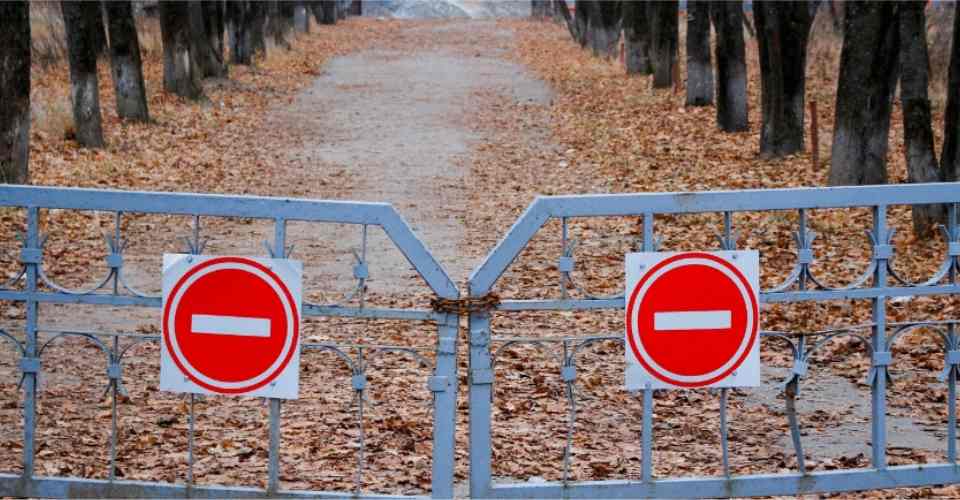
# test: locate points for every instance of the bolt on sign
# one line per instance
(692, 319)
(231, 325)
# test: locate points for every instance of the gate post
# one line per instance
(443, 384)
(29, 364)
(882, 251)
(481, 398)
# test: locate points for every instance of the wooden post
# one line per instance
(814, 135)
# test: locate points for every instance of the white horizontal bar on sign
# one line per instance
(691, 320)
(230, 325)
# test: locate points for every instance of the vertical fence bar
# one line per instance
(31, 243)
(114, 388)
(952, 345)
(273, 464)
(647, 436)
(481, 385)
(878, 386)
(190, 432)
(273, 475)
(649, 245)
(724, 444)
(444, 387)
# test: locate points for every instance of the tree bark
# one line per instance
(275, 25)
(604, 28)
(637, 37)
(286, 14)
(560, 10)
(181, 74)
(301, 17)
(203, 44)
(100, 40)
(213, 21)
(80, 22)
(917, 128)
(241, 46)
(582, 20)
(356, 7)
(15, 92)
(868, 76)
(783, 31)
(699, 66)
(950, 158)
(329, 9)
(665, 41)
(125, 62)
(255, 19)
(731, 66)
(540, 9)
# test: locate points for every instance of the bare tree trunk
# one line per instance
(15, 92)
(100, 40)
(582, 20)
(731, 66)
(181, 75)
(950, 158)
(637, 36)
(301, 17)
(255, 19)
(329, 8)
(665, 41)
(203, 44)
(604, 28)
(783, 31)
(125, 62)
(80, 21)
(917, 128)
(560, 9)
(540, 9)
(699, 66)
(285, 20)
(868, 76)
(356, 7)
(213, 21)
(241, 45)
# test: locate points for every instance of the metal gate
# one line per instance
(879, 283)
(33, 287)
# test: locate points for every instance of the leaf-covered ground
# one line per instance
(603, 132)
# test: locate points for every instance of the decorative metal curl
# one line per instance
(949, 267)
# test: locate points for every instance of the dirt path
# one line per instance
(390, 121)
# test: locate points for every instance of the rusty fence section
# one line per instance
(878, 284)
(33, 287)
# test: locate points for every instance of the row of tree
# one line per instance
(194, 42)
(884, 43)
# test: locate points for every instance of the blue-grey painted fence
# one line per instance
(878, 283)
(33, 287)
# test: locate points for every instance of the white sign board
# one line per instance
(231, 325)
(692, 319)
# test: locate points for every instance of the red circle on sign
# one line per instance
(231, 290)
(682, 353)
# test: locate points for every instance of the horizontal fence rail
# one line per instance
(878, 283)
(32, 286)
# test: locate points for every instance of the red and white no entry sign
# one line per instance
(692, 319)
(231, 325)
